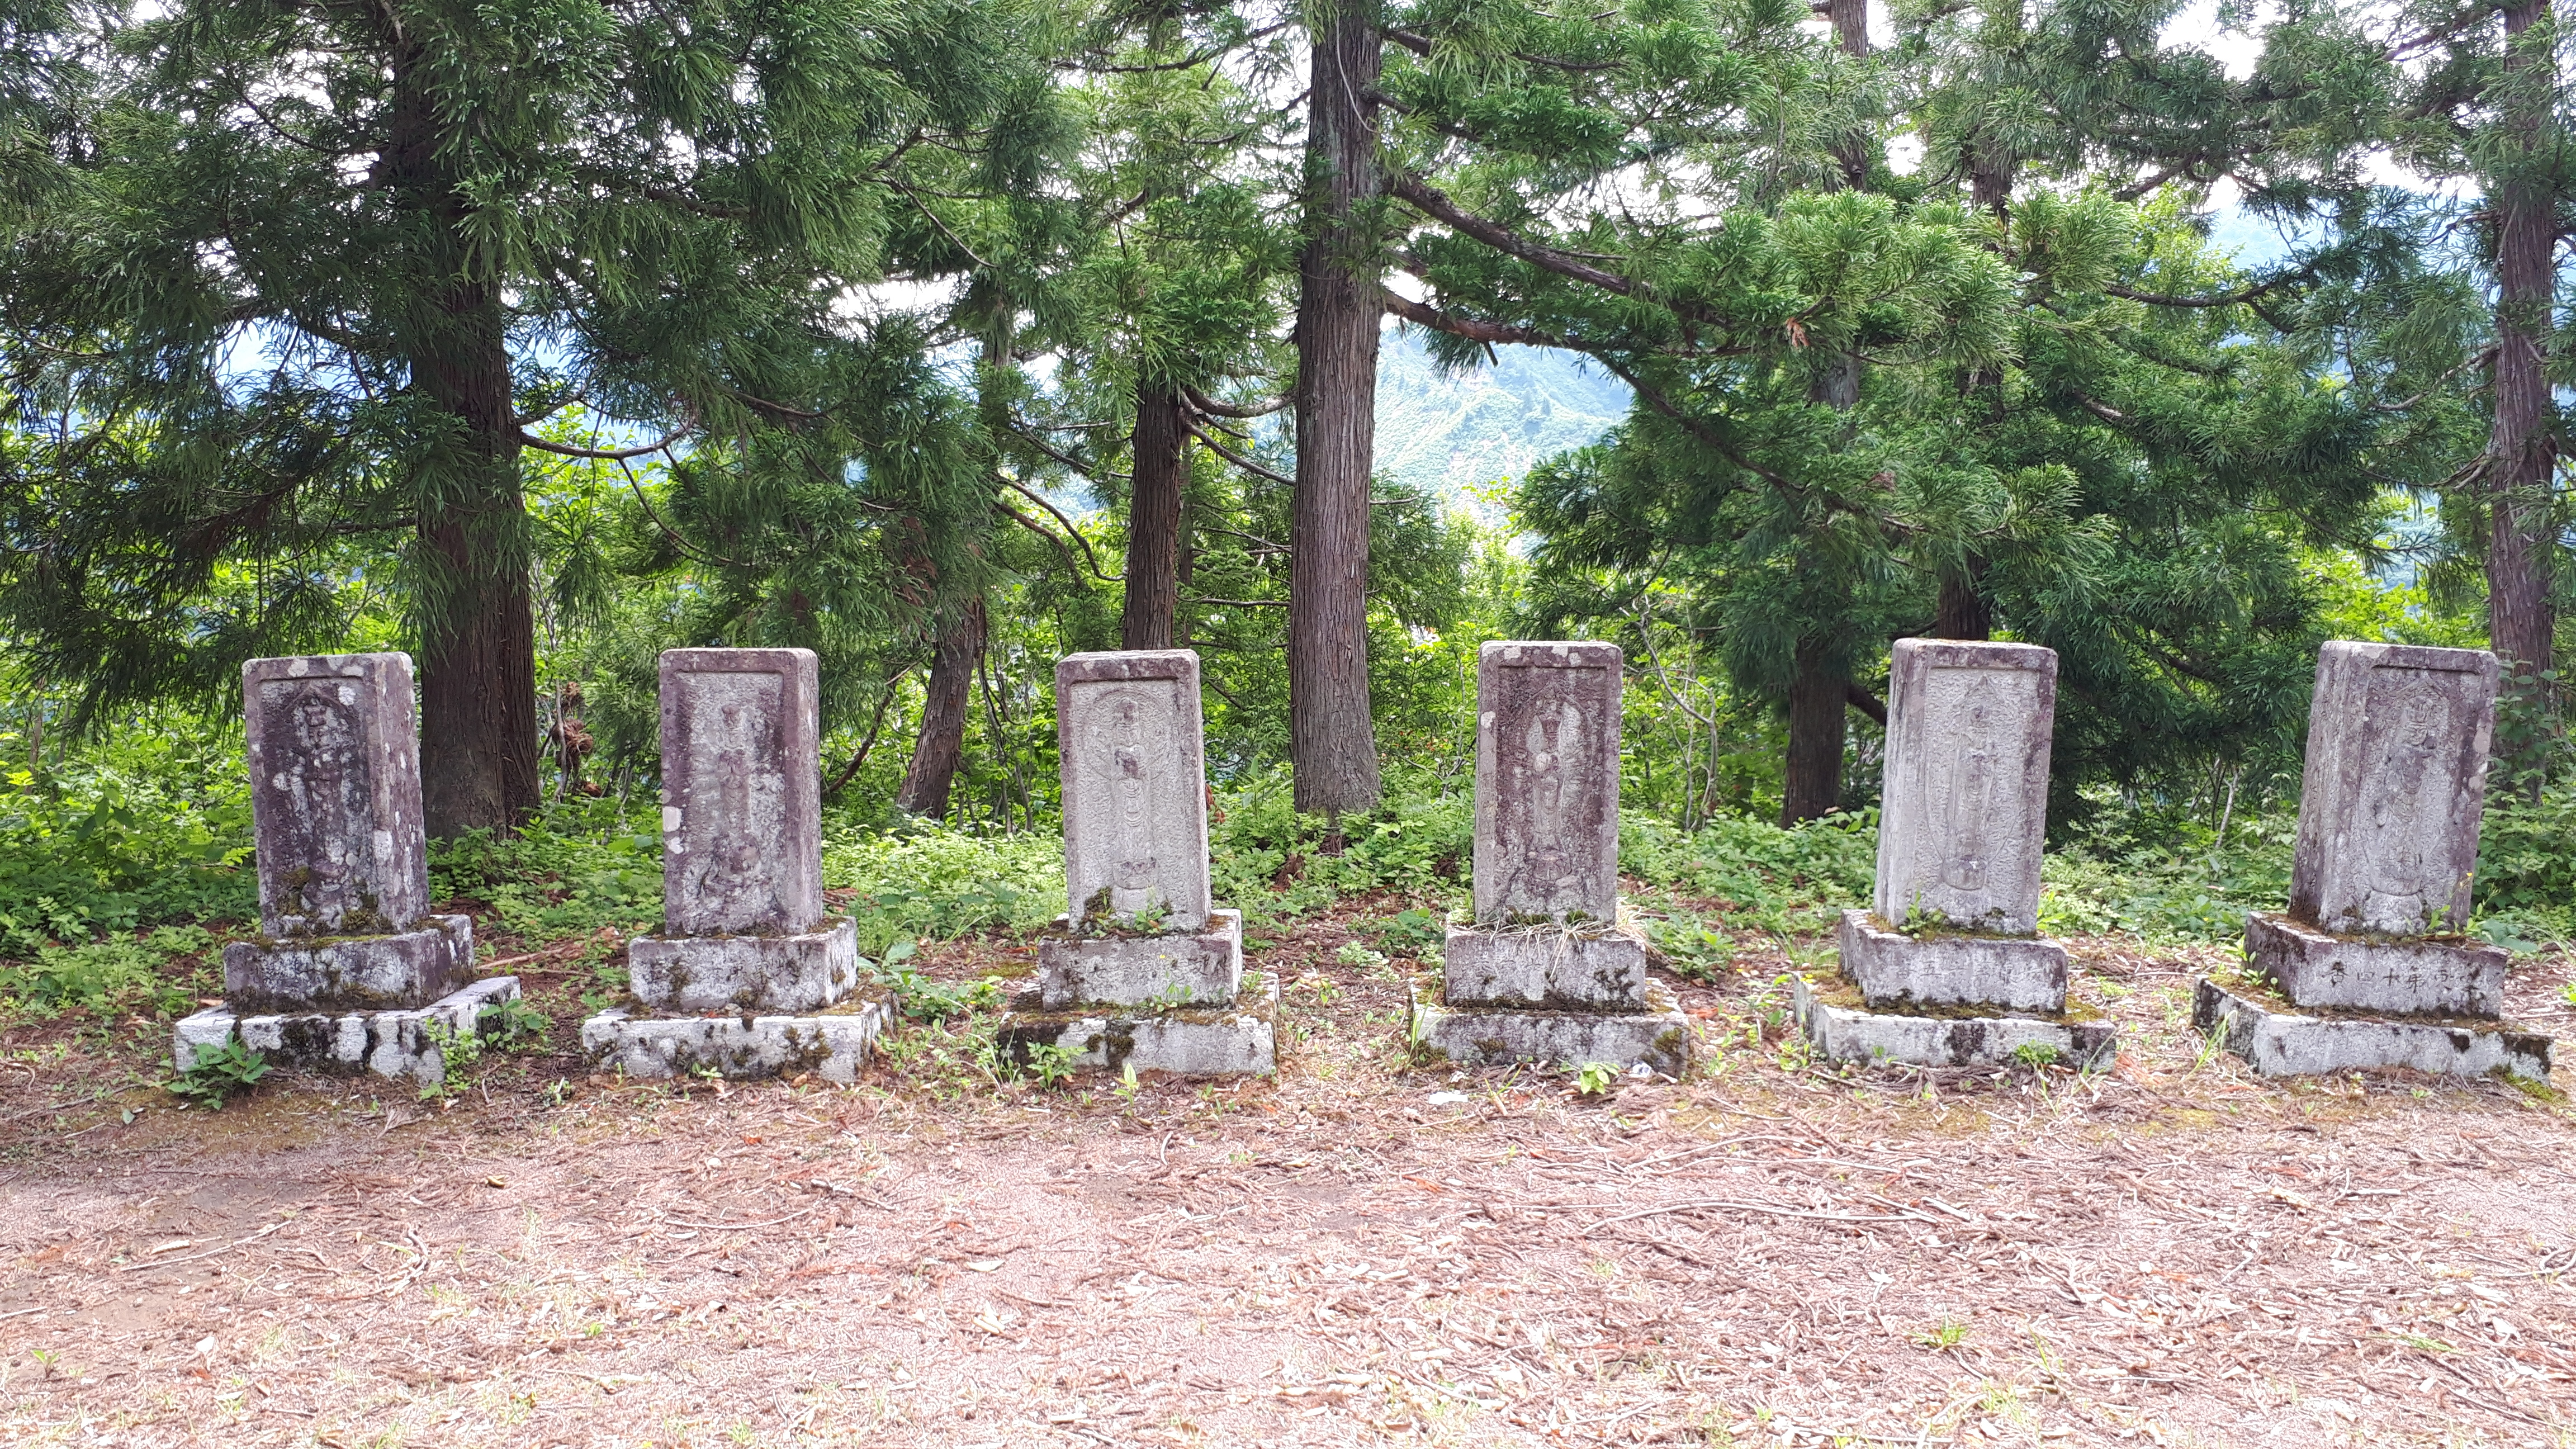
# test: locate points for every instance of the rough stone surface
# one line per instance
(1893, 969)
(351, 973)
(1135, 787)
(334, 754)
(1239, 1039)
(1658, 1036)
(742, 810)
(1965, 790)
(2394, 782)
(2376, 973)
(1846, 1034)
(1547, 782)
(385, 1043)
(1544, 966)
(832, 1047)
(2282, 1043)
(1196, 968)
(802, 972)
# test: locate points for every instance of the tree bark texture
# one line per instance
(942, 745)
(1963, 612)
(1818, 695)
(480, 739)
(1161, 452)
(1332, 743)
(2521, 622)
(1850, 20)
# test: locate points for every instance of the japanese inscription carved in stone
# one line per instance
(1135, 787)
(742, 794)
(1965, 799)
(334, 755)
(2394, 782)
(1547, 782)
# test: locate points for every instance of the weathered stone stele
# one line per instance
(1142, 971)
(333, 749)
(1547, 782)
(2368, 968)
(742, 842)
(742, 808)
(334, 757)
(2394, 783)
(1949, 968)
(351, 966)
(1965, 800)
(1128, 739)
(1547, 971)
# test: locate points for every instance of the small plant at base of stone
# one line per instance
(2034, 1055)
(1052, 1065)
(920, 998)
(1594, 1078)
(513, 1025)
(458, 1052)
(214, 1075)
(1353, 953)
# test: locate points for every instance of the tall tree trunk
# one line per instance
(1850, 19)
(1963, 612)
(942, 745)
(1818, 694)
(2521, 623)
(1332, 744)
(1161, 468)
(478, 678)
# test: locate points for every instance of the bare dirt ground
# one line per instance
(2172, 1252)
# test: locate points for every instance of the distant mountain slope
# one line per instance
(1452, 432)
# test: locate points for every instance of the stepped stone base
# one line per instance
(686, 975)
(2400, 977)
(1545, 968)
(2277, 1040)
(339, 974)
(1195, 968)
(1847, 1031)
(1658, 1036)
(385, 1043)
(1192, 1041)
(1893, 969)
(832, 1045)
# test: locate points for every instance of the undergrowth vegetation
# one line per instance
(124, 866)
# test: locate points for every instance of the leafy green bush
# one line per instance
(932, 882)
(2527, 865)
(1272, 861)
(582, 864)
(147, 825)
(116, 974)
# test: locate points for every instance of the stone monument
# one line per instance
(1948, 967)
(748, 976)
(350, 967)
(2369, 966)
(1547, 970)
(1141, 971)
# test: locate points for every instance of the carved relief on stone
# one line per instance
(1547, 787)
(335, 794)
(1966, 786)
(1135, 807)
(741, 792)
(2393, 788)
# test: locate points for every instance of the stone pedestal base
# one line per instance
(1192, 1041)
(831, 1045)
(2399, 977)
(1202, 968)
(386, 1043)
(1544, 967)
(689, 974)
(1847, 1031)
(1893, 969)
(2277, 1040)
(1658, 1036)
(340, 974)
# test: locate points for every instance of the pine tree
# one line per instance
(318, 271)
